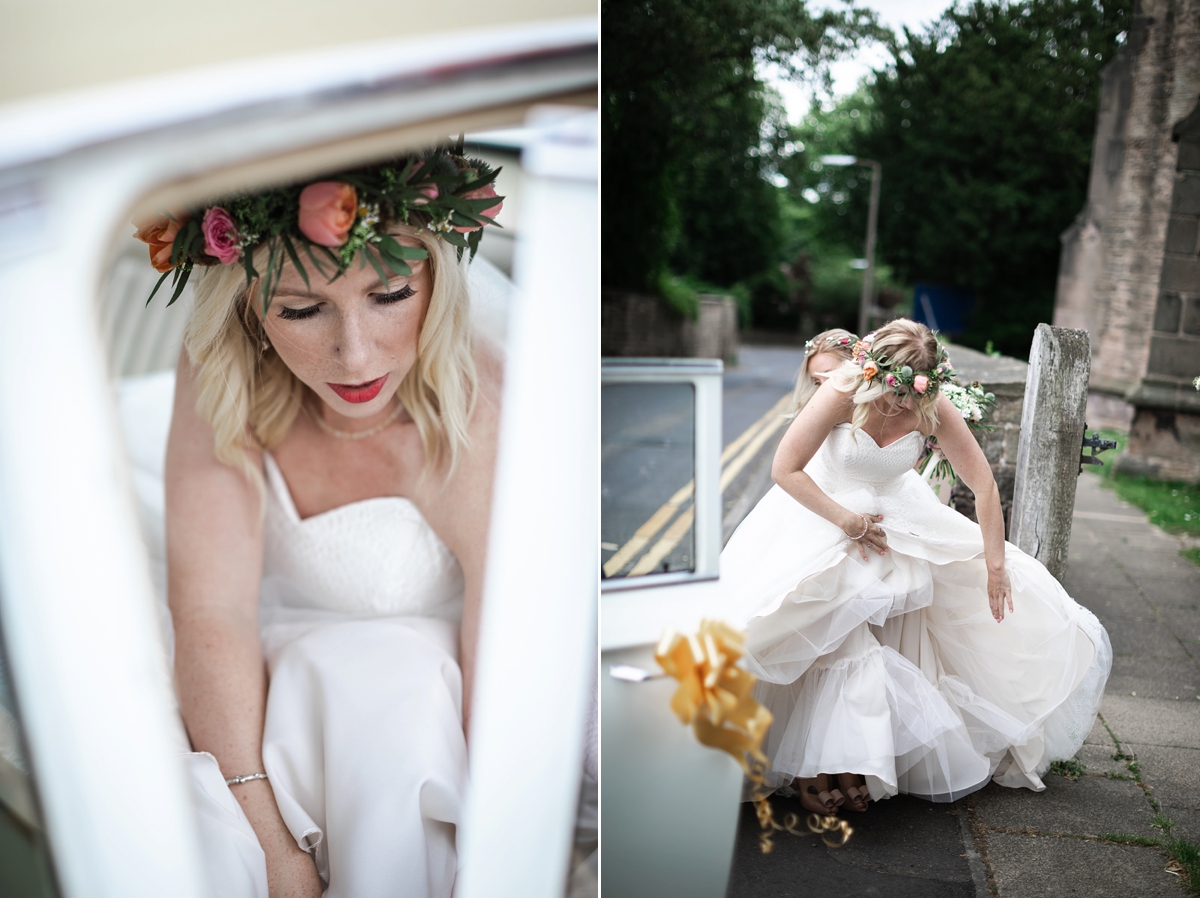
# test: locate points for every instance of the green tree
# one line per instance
(685, 154)
(984, 126)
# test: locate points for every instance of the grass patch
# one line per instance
(1192, 555)
(1072, 768)
(1123, 839)
(1187, 856)
(1175, 507)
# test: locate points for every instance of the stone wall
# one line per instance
(1006, 378)
(634, 325)
(1129, 271)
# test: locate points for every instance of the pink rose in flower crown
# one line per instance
(890, 380)
(220, 235)
(870, 369)
(860, 348)
(921, 383)
(327, 210)
(486, 192)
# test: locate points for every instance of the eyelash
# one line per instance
(395, 296)
(383, 299)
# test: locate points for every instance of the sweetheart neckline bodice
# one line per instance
(889, 445)
(284, 494)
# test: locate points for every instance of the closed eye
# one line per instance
(298, 314)
(395, 296)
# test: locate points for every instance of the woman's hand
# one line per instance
(999, 592)
(872, 537)
(291, 873)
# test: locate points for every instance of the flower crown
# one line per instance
(812, 347)
(901, 377)
(332, 221)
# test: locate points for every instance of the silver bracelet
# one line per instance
(238, 780)
(866, 527)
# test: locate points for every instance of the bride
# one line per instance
(900, 647)
(328, 479)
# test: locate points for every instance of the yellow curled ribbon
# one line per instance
(714, 698)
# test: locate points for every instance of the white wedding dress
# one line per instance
(359, 616)
(363, 743)
(894, 667)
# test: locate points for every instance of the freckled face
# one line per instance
(821, 364)
(351, 341)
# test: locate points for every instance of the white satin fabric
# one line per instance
(894, 667)
(363, 737)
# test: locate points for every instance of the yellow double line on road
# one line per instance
(741, 451)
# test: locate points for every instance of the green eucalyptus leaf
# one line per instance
(187, 273)
(291, 251)
(165, 275)
(374, 259)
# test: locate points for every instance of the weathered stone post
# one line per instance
(1052, 422)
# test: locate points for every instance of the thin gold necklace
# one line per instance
(355, 434)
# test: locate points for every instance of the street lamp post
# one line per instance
(866, 303)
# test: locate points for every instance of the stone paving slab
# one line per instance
(1187, 823)
(1172, 773)
(1171, 680)
(1145, 639)
(1153, 721)
(1043, 866)
(1091, 806)
(1098, 759)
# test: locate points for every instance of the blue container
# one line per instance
(945, 309)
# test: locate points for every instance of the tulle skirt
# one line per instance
(894, 667)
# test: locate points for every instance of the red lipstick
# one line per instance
(357, 393)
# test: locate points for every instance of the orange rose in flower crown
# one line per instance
(160, 234)
(332, 221)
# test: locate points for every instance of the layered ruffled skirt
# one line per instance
(894, 667)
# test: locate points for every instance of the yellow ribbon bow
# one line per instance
(714, 693)
(714, 697)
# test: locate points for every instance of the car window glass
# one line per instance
(647, 472)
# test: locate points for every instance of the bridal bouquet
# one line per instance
(975, 405)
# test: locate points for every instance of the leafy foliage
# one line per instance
(689, 135)
(984, 126)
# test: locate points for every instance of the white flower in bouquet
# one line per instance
(975, 405)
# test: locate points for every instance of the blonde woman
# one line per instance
(822, 355)
(902, 648)
(328, 479)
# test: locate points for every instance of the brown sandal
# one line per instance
(857, 793)
(816, 796)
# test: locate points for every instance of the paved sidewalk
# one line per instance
(1142, 759)
(1081, 836)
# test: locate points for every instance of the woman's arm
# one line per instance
(959, 446)
(800, 443)
(214, 569)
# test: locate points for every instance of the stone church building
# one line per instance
(1130, 267)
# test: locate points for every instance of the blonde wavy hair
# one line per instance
(829, 341)
(901, 342)
(251, 398)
